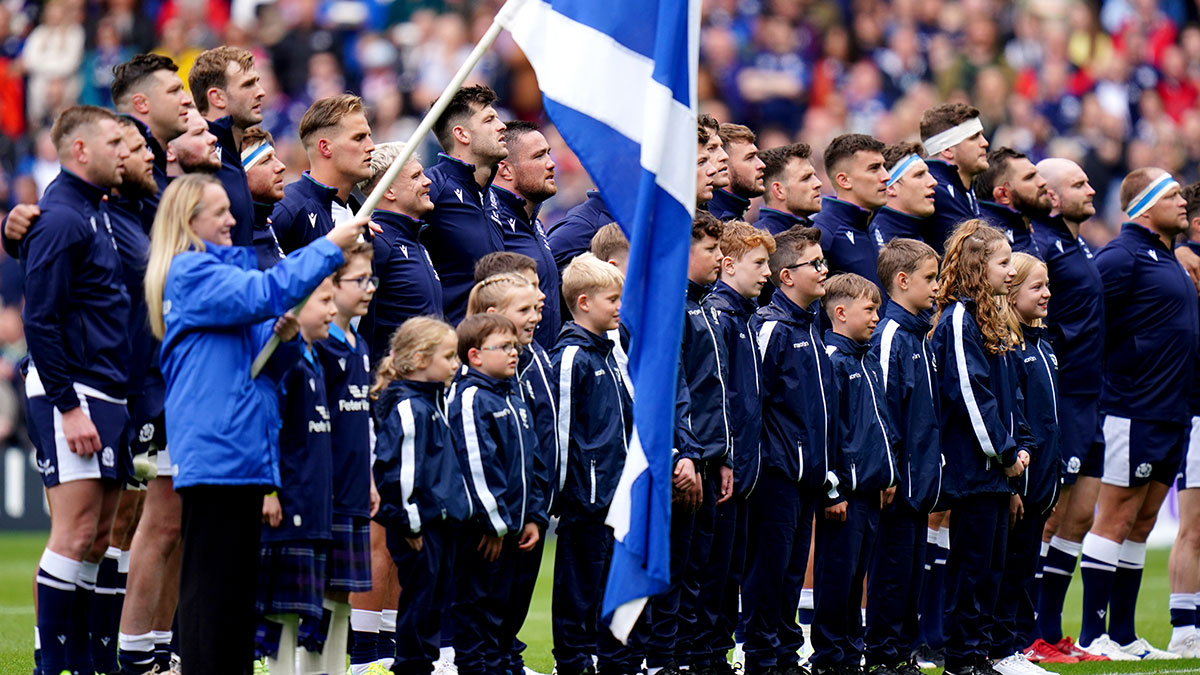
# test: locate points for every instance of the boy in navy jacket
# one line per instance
(595, 416)
(799, 422)
(745, 270)
(497, 446)
(866, 475)
(909, 268)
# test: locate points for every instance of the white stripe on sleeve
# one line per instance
(475, 459)
(566, 366)
(885, 349)
(408, 464)
(964, 385)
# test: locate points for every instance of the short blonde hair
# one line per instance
(588, 275)
(849, 287)
(325, 113)
(414, 341)
(609, 242)
(495, 292)
(381, 161)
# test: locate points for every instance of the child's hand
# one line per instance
(1016, 509)
(726, 485)
(1018, 466)
(415, 543)
(685, 477)
(287, 327)
(836, 512)
(529, 537)
(272, 512)
(490, 547)
(887, 496)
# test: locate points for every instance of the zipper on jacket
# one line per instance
(887, 445)
(824, 406)
(758, 392)
(853, 477)
(592, 470)
(612, 372)
(521, 445)
(721, 381)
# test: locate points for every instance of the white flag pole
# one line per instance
(418, 135)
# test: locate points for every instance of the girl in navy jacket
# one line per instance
(1035, 491)
(980, 421)
(422, 491)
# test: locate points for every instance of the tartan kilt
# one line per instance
(349, 555)
(291, 579)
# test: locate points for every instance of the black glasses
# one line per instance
(364, 281)
(818, 264)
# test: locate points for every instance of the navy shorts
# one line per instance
(57, 463)
(1139, 451)
(148, 414)
(1082, 437)
(291, 579)
(349, 555)
(1189, 470)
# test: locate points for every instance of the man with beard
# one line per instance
(76, 324)
(745, 173)
(264, 174)
(792, 190)
(460, 230)
(1011, 194)
(952, 134)
(854, 164)
(337, 139)
(523, 181)
(229, 95)
(910, 190)
(196, 150)
(1151, 339)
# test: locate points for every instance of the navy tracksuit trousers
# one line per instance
(978, 544)
(483, 603)
(894, 583)
(581, 560)
(696, 618)
(721, 583)
(1010, 631)
(842, 555)
(780, 528)
(528, 564)
(663, 624)
(426, 577)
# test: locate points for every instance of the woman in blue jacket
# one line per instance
(213, 311)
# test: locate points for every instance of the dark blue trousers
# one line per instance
(978, 544)
(721, 582)
(663, 619)
(528, 564)
(842, 554)
(894, 582)
(484, 600)
(581, 560)
(695, 619)
(779, 530)
(1010, 629)
(425, 579)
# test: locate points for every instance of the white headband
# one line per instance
(1146, 199)
(899, 168)
(952, 137)
(255, 154)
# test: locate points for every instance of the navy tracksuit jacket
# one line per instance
(982, 429)
(1151, 328)
(526, 236)
(888, 224)
(727, 206)
(595, 418)
(266, 244)
(573, 234)
(910, 392)
(953, 201)
(304, 214)
(233, 178)
(1012, 223)
(460, 231)
(775, 221)
(865, 466)
(799, 404)
(846, 241)
(408, 284)
(422, 492)
(77, 309)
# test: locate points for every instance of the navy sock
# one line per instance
(56, 577)
(162, 650)
(933, 594)
(1183, 610)
(364, 636)
(136, 652)
(104, 618)
(1128, 581)
(79, 644)
(1098, 567)
(1197, 603)
(1058, 566)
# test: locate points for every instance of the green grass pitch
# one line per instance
(19, 554)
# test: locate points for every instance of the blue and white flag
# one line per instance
(618, 79)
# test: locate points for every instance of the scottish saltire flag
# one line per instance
(618, 78)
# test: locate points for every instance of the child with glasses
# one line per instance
(497, 447)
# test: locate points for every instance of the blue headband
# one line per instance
(252, 156)
(1147, 198)
(897, 171)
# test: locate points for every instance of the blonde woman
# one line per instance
(213, 310)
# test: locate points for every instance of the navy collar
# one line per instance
(222, 128)
(262, 214)
(1007, 215)
(478, 378)
(462, 170)
(945, 172)
(576, 333)
(734, 300)
(736, 204)
(913, 323)
(697, 292)
(846, 345)
(516, 203)
(326, 194)
(790, 311)
(1145, 234)
(94, 194)
(1056, 224)
(394, 223)
(899, 215)
(1033, 333)
(841, 211)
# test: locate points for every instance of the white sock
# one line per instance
(1181, 632)
(284, 662)
(806, 598)
(446, 654)
(135, 643)
(310, 663)
(162, 637)
(365, 620)
(653, 671)
(943, 537)
(387, 620)
(339, 637)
